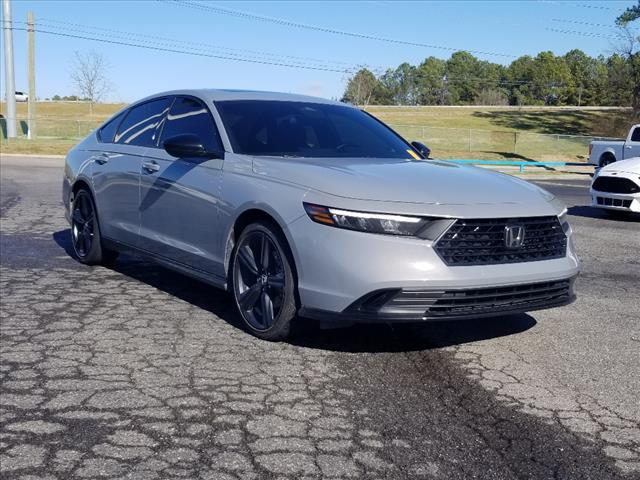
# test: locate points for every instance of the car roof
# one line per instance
(216, 95)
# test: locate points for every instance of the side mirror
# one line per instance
(422, 149)
(188, 145)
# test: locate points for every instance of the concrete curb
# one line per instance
(30, 155)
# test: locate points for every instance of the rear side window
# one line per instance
(142, 123)
(106, 133)
(189, 115)
(635, 136)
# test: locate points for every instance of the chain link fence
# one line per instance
(514, 143)
(53, 127)
(443, 141)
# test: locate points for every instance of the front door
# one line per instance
(632, 147)
(179, 196)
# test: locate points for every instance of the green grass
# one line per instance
(59, 126)
(505, 132)
(482, 132)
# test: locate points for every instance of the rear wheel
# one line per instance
(606, 159)
(263, 281)
(85, 231)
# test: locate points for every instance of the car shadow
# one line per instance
(312, 334)
(603, 214)
(378, 338)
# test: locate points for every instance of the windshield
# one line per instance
(301, 129)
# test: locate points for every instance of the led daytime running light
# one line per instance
(374, 216)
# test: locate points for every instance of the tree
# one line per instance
(400, 85)
(628, 49)
(361, 88)
(619, 82)
(546, 79)
(519, 76)
(582, 68)
(89, 73)
(629, 15)
(491, 96)
(430, 82)
(463, 82)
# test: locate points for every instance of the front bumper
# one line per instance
(626, 202)
(413, 305)
(336, 268)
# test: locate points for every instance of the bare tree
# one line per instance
(89, 73)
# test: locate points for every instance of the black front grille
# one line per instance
(615, 185)
(420, 304)
(614, 202)
(482, 241)
(495, 300)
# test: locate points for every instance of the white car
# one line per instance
(21, 97)
(617, 186)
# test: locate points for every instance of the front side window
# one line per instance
(635, 136)
(189, 115)
(142, 123)
(304, 129)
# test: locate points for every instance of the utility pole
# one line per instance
(9, 78)
(31, 74)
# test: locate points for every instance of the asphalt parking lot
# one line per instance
(138, 372)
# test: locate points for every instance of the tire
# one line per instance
(85, 232)
(606, 159)
(263, 281)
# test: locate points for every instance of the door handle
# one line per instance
(629, 146)
(151, 167)
(101, 159)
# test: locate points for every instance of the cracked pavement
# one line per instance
(138, 372)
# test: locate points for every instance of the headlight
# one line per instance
(562, 218)
(422, 227)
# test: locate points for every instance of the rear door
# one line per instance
(632, 145)
(179, 196)
(116, 169)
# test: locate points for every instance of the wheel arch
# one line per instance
(84, 182)
(606, 154)
(250, 215)
(81, 182)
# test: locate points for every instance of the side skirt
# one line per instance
(206, 277)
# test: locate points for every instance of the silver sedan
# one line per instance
(304, 207)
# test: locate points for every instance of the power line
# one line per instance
(127, 37)
(585, 34)
(589, 24)
(187, 52)
(170, 47)
(288, 23)
(53, 23)
(580, 5)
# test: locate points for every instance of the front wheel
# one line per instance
(263, 281)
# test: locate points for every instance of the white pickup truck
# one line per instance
(604, 152)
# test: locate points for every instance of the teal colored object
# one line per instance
(515, 163)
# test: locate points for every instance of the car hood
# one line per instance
(400, 180)
(630, 165)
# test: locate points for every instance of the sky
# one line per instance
(502, 30)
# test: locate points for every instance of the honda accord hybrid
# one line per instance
(310, 208)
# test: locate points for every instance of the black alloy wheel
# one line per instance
(83, 224)
(263, 283)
